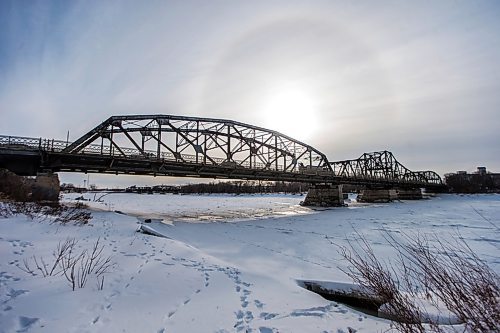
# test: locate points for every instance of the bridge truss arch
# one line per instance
(382, 165)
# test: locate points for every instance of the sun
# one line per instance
(291, 111)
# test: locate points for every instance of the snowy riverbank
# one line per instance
(236, 273)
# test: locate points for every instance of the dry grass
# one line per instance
(54, 212)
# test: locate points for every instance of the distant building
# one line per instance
(480, 181)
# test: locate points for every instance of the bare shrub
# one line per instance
(49, 269)
(58, 213)
(447, 272)
(76, 266)
(454, 273)
(14, 186)
(378, 277)
(5, 210)
(76, 213)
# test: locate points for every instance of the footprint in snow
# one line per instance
(267, 316)
(12, 293)
(319, 311)
(25, 323)
(4, 276)
(248, 316)
(239, 314)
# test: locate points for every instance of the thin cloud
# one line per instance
(414, 78)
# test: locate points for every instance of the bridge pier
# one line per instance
(410, 194)
(389, 194)
(377, 195)
(324, 196)
(45, 187)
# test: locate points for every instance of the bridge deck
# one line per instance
(28, 156)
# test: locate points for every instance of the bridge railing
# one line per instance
(50, 145)
(17, 142)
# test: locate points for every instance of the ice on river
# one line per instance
(196, 208)
(235, 274)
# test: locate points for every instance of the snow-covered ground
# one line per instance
(235, 272)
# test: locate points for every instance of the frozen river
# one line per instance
(196, 208)
(226, 263)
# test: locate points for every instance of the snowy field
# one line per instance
(235, 271)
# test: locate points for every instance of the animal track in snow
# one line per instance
(25, 323)
(319, 311)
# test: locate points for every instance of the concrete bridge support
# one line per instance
(377, 195)
(388, 195)
(410, 194)
(45, 187)
(324, 196)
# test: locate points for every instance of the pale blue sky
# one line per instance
(421, 78)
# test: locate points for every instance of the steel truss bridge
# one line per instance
(202, 147)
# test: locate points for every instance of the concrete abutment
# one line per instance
(43, 187)
(389, 194)
(46, 187)
(377, 195)
(332, 196)
(410, 194)
(324, 196)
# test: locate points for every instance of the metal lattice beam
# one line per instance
(201, 140)
(382, 165)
